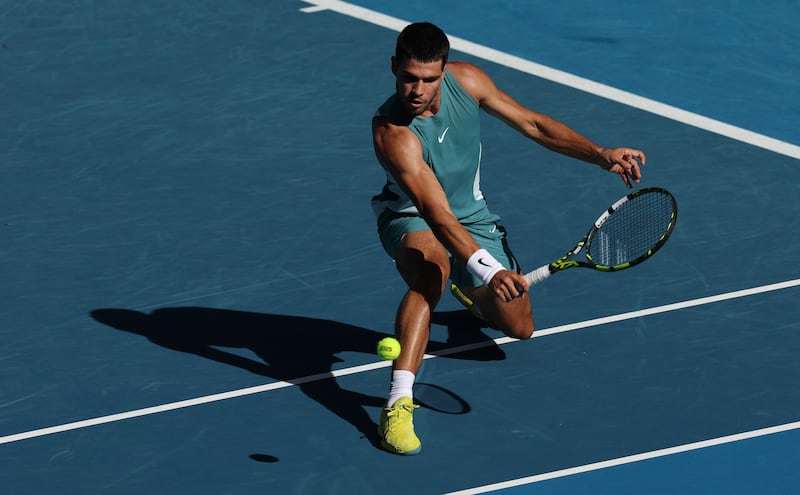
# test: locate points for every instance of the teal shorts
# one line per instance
(392, 227)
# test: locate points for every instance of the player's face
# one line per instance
(418, 85)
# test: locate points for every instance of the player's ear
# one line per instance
(394, 65)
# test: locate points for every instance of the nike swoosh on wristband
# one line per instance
(441, 138)
(480, 260)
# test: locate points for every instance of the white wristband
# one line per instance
(483, 265)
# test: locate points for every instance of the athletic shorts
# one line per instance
(392, 227)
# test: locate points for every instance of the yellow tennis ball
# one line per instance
(388, 348)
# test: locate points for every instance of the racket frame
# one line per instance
(566, 262)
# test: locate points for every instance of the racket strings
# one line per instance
(632, 231)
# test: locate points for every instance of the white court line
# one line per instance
(570, 80)
(384, 364)
(629, 459)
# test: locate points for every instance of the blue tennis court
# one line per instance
(193, 286)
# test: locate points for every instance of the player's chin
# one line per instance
(416, 107)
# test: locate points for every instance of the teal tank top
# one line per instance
(451, 146)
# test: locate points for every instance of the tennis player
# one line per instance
(432, 217)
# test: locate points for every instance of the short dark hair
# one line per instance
(424, 42)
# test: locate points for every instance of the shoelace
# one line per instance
(396, 414)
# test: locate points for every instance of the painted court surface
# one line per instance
(193, 287)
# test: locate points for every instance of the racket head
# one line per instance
(631, 230)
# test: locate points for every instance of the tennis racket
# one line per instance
(629, 232)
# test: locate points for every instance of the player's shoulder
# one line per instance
(464, 69)
(471, 77)
(389, 130)
(390, 124)
(396, 146)
(391, 113)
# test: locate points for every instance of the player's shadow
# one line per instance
(464, 330)
(295, 349)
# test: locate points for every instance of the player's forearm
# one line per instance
(453, 236)
(562, 139)
(478, 261)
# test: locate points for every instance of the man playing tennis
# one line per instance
(432, 217)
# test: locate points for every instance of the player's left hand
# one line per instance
(508, 285)
(626, 162)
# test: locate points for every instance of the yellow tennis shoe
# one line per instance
(397, 428)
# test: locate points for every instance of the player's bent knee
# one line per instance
(521, 331)
(518, 328)
(426, 273)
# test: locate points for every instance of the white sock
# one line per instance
(402, 386)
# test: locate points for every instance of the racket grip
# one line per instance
(537, 275)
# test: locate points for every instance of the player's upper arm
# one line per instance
(495, 101)
(399, 151)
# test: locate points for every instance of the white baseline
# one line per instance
(628, 459)
(569, 80)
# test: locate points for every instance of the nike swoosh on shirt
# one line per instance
(441, 138)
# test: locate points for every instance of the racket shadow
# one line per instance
(440, 399)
